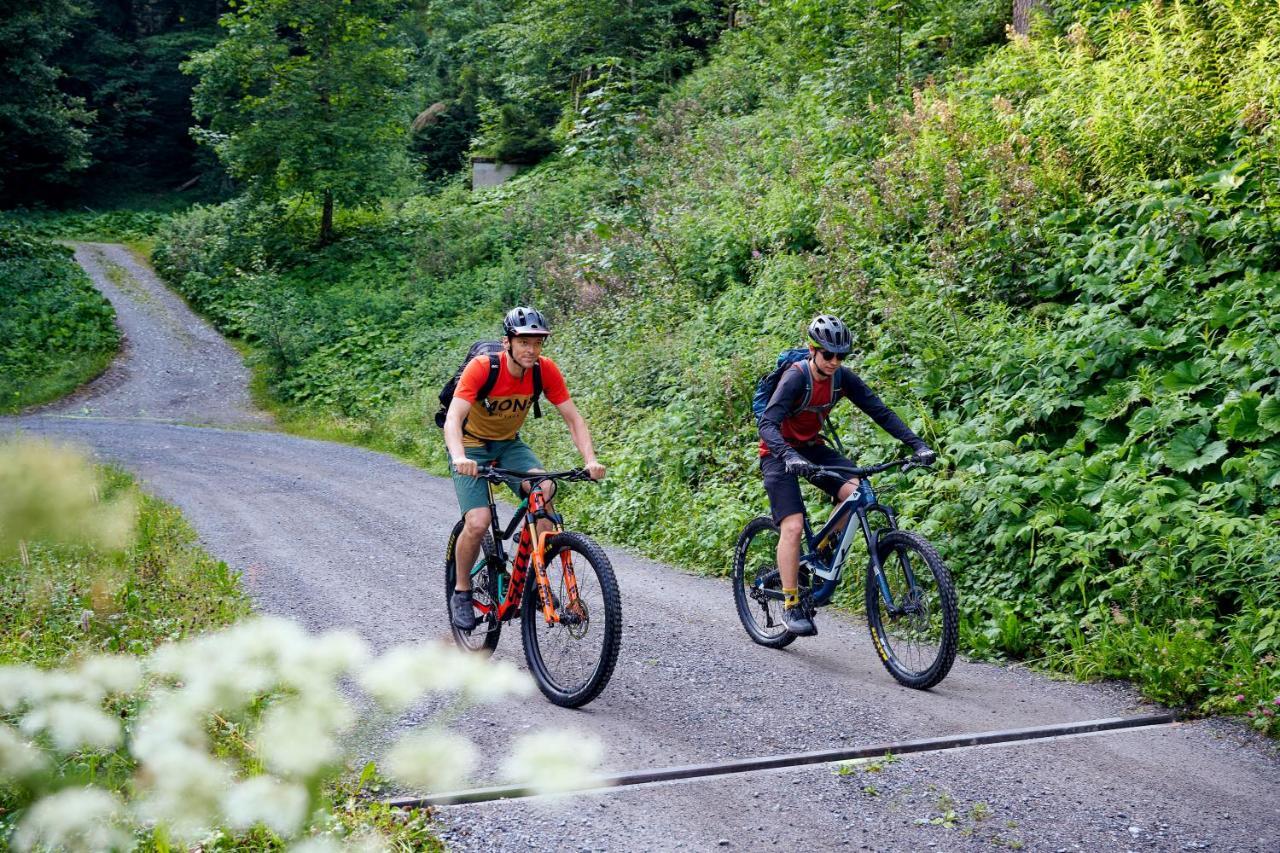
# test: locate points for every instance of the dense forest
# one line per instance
(1060, 252)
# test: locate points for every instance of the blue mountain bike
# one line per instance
(910, 597)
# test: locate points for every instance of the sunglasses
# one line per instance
(838, 356)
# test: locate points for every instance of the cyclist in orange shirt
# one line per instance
(489, 434)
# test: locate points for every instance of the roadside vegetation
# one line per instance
(143, 707)
(56, 331)
(1061, 252)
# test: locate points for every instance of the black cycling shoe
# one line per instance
(462, 611)
(798, 622)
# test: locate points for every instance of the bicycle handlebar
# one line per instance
(500, 475)
(906, 463)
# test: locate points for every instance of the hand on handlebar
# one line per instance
(798, 466)
(595, 470)
(924, 457)
(465, 467)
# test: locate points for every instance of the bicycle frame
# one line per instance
(827, 574)
(530, 510)
(839, 528)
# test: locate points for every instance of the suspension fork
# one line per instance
(873, 550)
(537, 508)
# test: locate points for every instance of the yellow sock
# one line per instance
(790, 597)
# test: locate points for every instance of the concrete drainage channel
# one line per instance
(800, 759)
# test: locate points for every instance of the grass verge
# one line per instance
(59, 604)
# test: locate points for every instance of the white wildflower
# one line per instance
(432, 761)
(281, 807)
(341, 651)
(27, 686)
(18, 684)
(297, 740)
(550, 762)
(113, 674)
(185, 791)
(403, 675)
(320, 844)
(222, 671)
(490, 680)
(74, 819)
(167, 723)
(17, 757)
(322, 659)
(364, 841)
(72, 725)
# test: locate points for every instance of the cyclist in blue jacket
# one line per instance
(792, 446)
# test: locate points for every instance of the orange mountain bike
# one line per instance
(571, 615)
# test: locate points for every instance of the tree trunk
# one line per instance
(326, 219)
(1023, 13)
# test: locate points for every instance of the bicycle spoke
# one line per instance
(573, 657)
(915, 625)
(484, 637)
(757, 584)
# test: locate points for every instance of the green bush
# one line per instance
(56, 331)
(1060, 256)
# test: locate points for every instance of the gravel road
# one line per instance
(339, 537)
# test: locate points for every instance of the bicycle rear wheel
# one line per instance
(482, 639)
(573, 659)
(915, 634)
(757, 587)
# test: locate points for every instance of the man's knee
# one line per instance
(792, 526)
(476, 522)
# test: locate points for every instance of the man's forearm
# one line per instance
(581, 436)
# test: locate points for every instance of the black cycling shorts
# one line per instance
(784, 489)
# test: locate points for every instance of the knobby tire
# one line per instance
(763, 563)
(483, 639)
(591, 567)
(932, 625)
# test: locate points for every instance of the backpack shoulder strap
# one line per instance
(495, 364)
(537, 387)
(808, 385)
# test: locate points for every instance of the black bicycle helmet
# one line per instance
(830, 333)
(525, 321)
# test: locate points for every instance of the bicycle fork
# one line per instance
(877, 567)
(543, 580)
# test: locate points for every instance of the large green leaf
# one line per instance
(1143, 421)
(1187, 375)
(1269, 414)
(1240, 418)
(1185, 452)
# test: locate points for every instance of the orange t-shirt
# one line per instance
(508, 403)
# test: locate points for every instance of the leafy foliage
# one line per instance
(42, 131)
(1062, 257)
(56, 331)
(95, 103)
(307, 99)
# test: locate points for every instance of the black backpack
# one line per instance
(493, 349)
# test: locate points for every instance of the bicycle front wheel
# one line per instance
(572, 659)
(915, 632)
(757, 587)
(482, 639)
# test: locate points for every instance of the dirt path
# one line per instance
(339, 537)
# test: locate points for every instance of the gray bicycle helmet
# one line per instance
(830, 333)
(525, 321)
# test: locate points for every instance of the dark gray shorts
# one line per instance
(784, 489)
